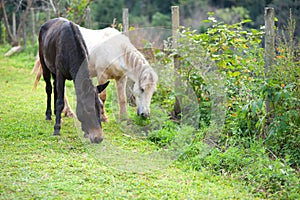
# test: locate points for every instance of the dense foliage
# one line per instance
(145, 13)
(255, 145)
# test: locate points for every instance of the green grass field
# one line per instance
(37, 165)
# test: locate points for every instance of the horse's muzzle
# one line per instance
(96, 135)
(143, 113)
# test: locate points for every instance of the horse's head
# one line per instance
(89, 112)
(143, 90)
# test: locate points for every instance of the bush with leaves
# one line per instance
(239, 57)
(232, 52)
(267, 178)
(283, 92)
(254, 145)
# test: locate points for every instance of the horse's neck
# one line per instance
(85, 93)
(135, 62)
(81, 74)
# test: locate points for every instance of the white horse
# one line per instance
(113, 56)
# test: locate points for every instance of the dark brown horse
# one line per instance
(63, 54)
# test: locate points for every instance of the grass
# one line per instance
(37, 165)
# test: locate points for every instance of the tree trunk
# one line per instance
(15, 40)
(1, 16)
(7, 27)
(22, 21)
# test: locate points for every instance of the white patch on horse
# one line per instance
(113, 56)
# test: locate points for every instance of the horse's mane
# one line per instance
(79, 39)
(133, 57)
(139, 64)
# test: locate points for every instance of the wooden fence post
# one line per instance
(125, 21)
(269, 50)
(175, 24)
(88, 17)
(175, 27)
(48, 14)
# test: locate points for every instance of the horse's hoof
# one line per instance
(56, 133)
(48, 118)
(104, 118)
(68, 113)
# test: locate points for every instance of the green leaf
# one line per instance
(286, 94)
(288, 86)
(206, 21)
(277, 96)
(253, 107)
(245, 109)
(246, 21)
(259, 104)
(236, 73)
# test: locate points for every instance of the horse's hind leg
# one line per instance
(121, 88)
(55, 93)
(60, 87)
(67, 108)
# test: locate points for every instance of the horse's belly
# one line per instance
(93, 72)
(113, 73)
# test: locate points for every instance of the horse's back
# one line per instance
(94, 37)
(47, 42)
(105, 55)
(62, 46)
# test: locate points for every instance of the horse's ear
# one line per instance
(102, 87)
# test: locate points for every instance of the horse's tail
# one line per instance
(37, 68)
(79, 39)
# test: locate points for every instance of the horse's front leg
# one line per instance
(60, 86)
(122, 100)
(102, 96)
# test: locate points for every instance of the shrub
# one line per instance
(254, 145)
(265, 177)
(283, 92)
(235, 53)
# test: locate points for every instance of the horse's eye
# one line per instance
(142, 90)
